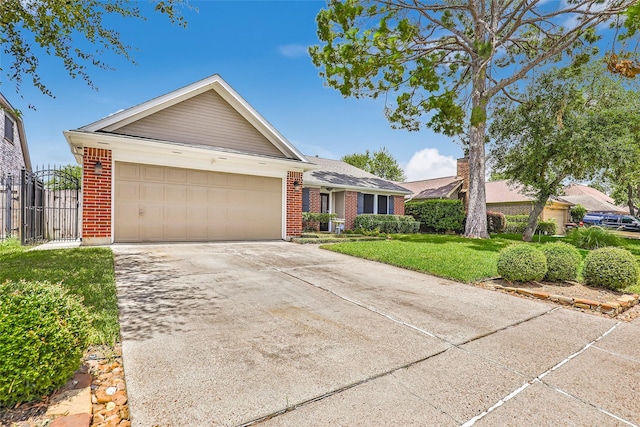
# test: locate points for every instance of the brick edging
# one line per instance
(610, 307)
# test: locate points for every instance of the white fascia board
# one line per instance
(223, 89)
(352, 188)
(137, 150)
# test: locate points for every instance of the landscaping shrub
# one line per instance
(577, 212)
(391, 224)
(496, 222)
(522, 263)
(613, 268)
(437, 215)
(43, 334)
(311, 220)
(563, 261)
(593, 237)
(517, 223)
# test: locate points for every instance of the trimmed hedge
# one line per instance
(438, 214)
(563, 261)
(43, 334)
(610, 267)
(311, 220)
(517, 223)
(391, 224)
(522, 263)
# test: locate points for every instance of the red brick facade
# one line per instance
(314, 200)
(96, 197)
(398, 205)
(294, 204)
(350, 208)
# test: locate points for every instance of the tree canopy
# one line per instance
(570, 124)
(439, 63)
(59, 28)
(381, 163)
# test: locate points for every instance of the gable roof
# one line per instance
(122, 122)
(583, 190)
(505, 191)
(338, 174)
(8, 109)
(593, 204)
(435, 188)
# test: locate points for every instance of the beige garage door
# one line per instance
(163, 204)
(559, 216)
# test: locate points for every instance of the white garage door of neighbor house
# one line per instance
(164, 204)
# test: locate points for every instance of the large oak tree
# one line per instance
(440, 63)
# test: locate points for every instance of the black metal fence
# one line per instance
(41, 205)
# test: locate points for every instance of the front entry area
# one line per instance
(166, 204)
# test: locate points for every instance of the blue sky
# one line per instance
(259, 48)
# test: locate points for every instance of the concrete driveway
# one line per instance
(279, 334)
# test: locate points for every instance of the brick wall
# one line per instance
(11, 157)
(294, 205)
(398, 205)
(96, 197)
(524, 208)
(314, 200)
(350, 208)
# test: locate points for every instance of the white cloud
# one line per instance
(429, 163)
(293, 50)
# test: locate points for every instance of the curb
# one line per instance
(610, 307)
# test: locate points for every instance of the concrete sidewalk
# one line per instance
(284, 334)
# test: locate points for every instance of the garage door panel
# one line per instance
(156, 203)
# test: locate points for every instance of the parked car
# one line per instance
(614, 221)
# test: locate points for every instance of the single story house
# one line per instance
(510, 199)
(14, 152)
(593, 200)
(201, 164)
(340, 188)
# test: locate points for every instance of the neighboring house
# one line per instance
(448, 187)
(510, 199)
(340, 188)
(14, 153)
(593, 200)
(196, 164)
(501, 197)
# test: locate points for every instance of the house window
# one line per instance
(8, 128)
(383, 203)
(368, 204)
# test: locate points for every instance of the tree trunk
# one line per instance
(630, 198)
(476, 226)
(530, 229)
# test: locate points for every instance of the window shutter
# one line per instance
(305, 200)
(391, 199)
(360, 203)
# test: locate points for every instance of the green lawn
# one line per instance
(86, 272)
(452, 257)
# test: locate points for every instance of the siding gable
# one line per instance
(205, 119)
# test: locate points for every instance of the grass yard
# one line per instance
(451, 257)
(86, 272)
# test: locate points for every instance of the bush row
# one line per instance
(613, 268)
(437, 215)
(403, 224)
(517, 223)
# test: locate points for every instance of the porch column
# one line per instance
(96, 197)
(294, 205)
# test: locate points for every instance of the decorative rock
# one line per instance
(541, 295)
(120, 398)
(509, 289)
(101, 396)
(110, 406)
(588, 302)
(522, 291)
(111, 391)
(125, 423)
(579, 305)
(77, 420)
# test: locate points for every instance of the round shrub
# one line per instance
(593, 237)
(613, 268)
(43, 334)
(563, 261)
(522, 263)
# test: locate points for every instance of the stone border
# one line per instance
(610, 307)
